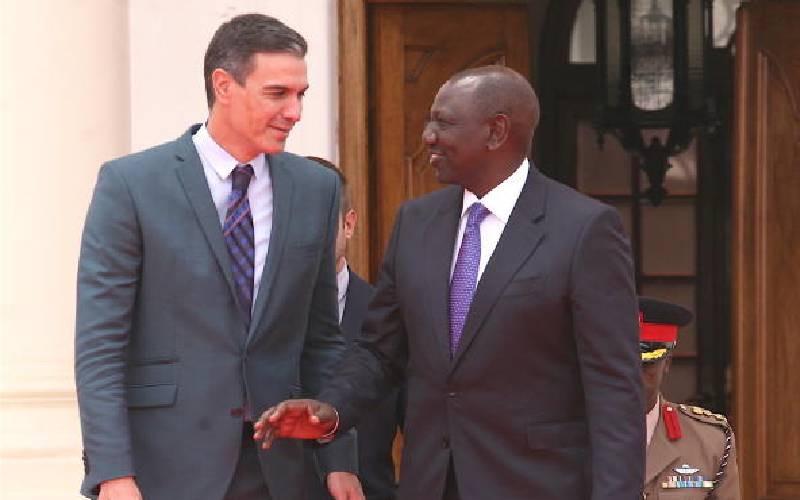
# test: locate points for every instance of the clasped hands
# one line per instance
(298, 419)
(307, 419)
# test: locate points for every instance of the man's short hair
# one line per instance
(346, 203)
(236, 42)
(500, 89)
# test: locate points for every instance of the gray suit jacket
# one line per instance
(543, 397)
(165, 367)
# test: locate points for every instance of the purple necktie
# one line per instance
(465, 273)
(240, 238)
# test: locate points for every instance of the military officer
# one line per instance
(691, 453)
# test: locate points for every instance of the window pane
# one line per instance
(681, 294)
(724, 20)
(668, 238)
(625, 209)
(582, 45)
(681, 177)
(605, 171)
(652, 80)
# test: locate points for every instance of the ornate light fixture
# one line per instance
(651, 59)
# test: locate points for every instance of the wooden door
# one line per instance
(766, 249)
(414, 48)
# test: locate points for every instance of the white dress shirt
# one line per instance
(651, 420)
(218, 165)
(500, 202)
(342, 282)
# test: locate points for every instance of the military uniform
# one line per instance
(692, 455)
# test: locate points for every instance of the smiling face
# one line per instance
(456, 135)
(257, 116)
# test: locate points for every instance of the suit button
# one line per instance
(237, 412)
(445, 443)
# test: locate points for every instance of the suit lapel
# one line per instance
(282, 196)
(190, 173)
(349, 319)
(355, 304)
(660, 454)
(519, 240)
(440, 236)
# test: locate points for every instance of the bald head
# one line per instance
(498, 89)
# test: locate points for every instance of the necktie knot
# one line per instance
(476, 213)
(241, 177)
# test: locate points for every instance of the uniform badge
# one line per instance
(686, 469)
(687, 478)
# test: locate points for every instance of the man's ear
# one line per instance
(499, 128)
(349, 222)
(222, 82)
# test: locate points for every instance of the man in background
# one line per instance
(376, 432)
(691, 452)
(207, 292)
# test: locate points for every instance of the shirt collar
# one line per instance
(501, 199)
(651, 420)
(342, 281)
(220, 160)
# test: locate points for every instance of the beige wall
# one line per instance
(168, 39)
(81, 82)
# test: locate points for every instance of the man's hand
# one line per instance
(295, 418)
(344, 486)
(121, 488)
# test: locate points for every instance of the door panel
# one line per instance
(766, 249)
(416, 47)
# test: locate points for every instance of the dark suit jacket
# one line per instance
(543, 398)
(376, 431)
(165, 364)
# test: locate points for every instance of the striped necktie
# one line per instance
(240, 238)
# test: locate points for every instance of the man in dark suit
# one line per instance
(507, 303)
(375, 434)
(206, 292)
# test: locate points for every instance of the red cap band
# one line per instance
(657, 332)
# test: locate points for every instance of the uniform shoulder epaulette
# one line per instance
(704, 415)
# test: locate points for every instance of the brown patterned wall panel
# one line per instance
(766, 249)
(416, 48)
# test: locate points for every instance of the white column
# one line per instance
(82, 82)
(64, 108)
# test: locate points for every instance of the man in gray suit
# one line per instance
(206, 292)
(507, 303)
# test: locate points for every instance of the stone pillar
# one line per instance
(64, 108)
(168, 40)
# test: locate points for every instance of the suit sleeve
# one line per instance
(376, 362)
(325, 345)
(605, 327)
(108, 277)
